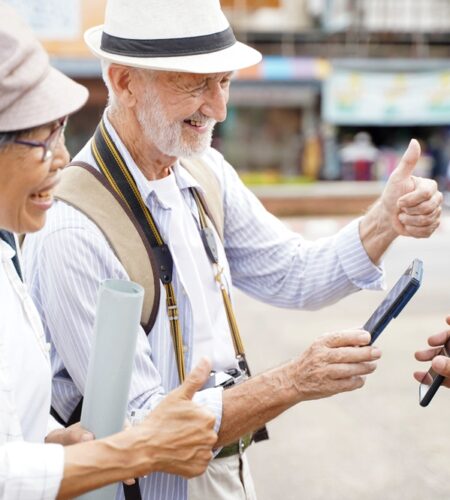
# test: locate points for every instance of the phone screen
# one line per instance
(396, 299)
(392, 296)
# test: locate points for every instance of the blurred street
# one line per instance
(375, 443)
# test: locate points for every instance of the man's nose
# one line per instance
(215, 105)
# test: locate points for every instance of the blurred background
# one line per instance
(343, 86)
(315, 130)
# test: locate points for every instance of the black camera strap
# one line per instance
(210, 245)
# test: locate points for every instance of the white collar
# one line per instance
(6, 251)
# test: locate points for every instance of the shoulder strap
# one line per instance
(212, 199)
(84, 188)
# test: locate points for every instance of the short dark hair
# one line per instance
(9, 137)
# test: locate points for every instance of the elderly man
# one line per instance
(168, 67)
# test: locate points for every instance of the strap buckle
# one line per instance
(172, 312)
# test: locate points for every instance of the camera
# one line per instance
(226, 378)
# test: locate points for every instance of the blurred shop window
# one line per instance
(312, 156)
(406, 15)
(263, 143)
(268, 15)
(387, 16)
(358, 158)
(438, 151)
(60, 24)
(337, 15)
(249, 4)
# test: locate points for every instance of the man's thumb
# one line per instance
(409, 159)
(196, 379)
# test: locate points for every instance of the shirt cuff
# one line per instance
(211, 399)
(53, 425)
(357, 266)
(32, 470)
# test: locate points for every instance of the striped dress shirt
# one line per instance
(66, 261)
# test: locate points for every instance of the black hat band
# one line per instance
(168, 47)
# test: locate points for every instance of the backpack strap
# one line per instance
(83, 187)
(212, 198)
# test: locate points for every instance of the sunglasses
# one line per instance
(49, 144)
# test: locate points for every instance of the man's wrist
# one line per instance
(133, 450)
(377, 231)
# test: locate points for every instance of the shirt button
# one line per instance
(185, 348)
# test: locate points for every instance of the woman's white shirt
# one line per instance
(29, 469)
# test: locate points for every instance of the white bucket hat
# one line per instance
(172, 35)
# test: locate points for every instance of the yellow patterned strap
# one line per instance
(232, 323)
(175, 330)
(212, 199)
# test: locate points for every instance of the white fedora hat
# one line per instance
(173, 35)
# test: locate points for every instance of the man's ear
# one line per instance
(123, 84)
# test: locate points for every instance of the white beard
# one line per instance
(167, 136)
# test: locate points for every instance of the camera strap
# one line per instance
(209, 242)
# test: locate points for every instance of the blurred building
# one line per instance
(332, 68)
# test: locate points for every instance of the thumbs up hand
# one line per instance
(178, 435)
(412, 204)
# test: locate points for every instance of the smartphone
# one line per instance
(432, 380)
(396, 300)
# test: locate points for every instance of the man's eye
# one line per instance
(197, 90)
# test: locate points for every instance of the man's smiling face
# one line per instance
(177, 111)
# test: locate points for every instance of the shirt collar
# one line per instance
(6, 251)
(183, 178)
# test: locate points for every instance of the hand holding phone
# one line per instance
(431, 380)
(397, 298)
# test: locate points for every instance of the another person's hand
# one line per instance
(440, 364)
(411, 204)
(76, 434)
(70, 435)
(334, 363)
(180, 432)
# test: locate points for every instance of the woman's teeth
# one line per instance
(43, 196)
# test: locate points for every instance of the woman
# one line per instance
(177, 437)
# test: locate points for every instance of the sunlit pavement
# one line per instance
(375, 443)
